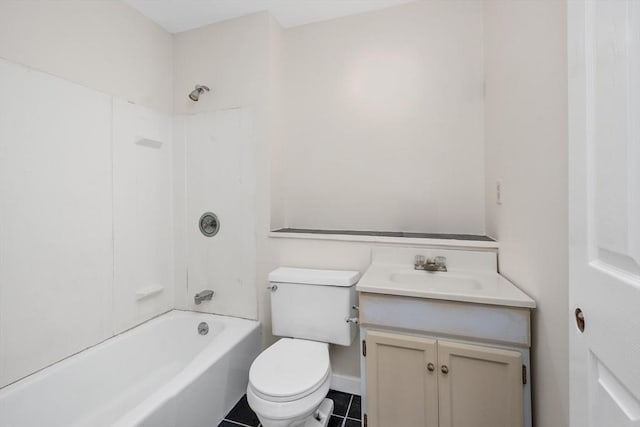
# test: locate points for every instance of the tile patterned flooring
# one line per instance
(346, 412)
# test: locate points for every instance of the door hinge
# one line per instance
(524, 374)
(365, 420)
(364, 348)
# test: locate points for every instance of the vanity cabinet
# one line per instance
(417, 381)
(430, 363)
(445, 348)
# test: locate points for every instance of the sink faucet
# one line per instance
(205, 295)
(438, 263)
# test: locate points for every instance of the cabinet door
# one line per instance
(479, 386)
(401, 388)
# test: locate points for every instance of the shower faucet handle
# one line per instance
(438, 263)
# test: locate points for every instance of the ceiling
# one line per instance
(181, 15)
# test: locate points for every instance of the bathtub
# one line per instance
(162, 373)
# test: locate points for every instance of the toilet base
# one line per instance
(321, 417)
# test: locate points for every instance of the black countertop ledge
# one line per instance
(471, 237)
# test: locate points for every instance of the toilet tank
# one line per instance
(314, 304)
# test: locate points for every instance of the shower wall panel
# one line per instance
(86, 224)
(56, 243)
(218, 151)
(143, 218)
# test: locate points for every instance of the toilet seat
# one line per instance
(290, 370)
(283, 414)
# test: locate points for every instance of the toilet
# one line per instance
(310, 309)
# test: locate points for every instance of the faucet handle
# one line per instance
(440, 260)
(419, 260)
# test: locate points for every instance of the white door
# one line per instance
(604, 219)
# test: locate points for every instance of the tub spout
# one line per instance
(205, 295)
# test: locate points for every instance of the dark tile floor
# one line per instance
(346, 412)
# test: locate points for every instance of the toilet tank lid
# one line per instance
(309, 276)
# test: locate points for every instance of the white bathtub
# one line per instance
(159, 374)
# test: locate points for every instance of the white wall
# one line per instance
(526, 139)
(383, 111)
(104, 45)
(231, 57)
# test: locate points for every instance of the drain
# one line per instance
(203, 328)
(209, 224)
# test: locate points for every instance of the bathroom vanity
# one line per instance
(443, 348)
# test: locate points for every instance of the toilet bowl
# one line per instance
(288, 383)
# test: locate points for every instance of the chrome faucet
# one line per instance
(205, 295)
(438, 263)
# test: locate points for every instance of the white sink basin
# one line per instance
(436, 280)
(479, 286)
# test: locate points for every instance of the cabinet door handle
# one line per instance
(431, 367)
(444, 369)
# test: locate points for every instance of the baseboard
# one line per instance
(345, 383)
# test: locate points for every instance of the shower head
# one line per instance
(199, 90)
